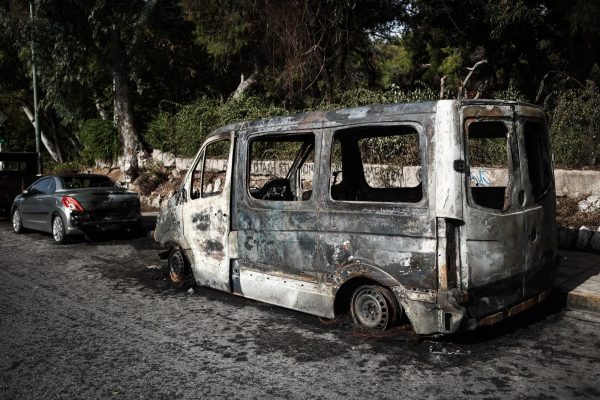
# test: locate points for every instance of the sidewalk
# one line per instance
(578, 280)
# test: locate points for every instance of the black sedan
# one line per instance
(75, 204)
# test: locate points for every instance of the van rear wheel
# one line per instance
(374, 307)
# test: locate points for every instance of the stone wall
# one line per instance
(568, 182)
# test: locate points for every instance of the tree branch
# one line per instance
(245, 84)
(471, 70)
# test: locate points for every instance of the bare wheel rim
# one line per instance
(16, 221)
(370, 308)
(176, 266)
(58, 229)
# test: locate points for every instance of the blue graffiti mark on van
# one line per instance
(480, 177)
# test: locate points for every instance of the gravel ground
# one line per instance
(98, 320)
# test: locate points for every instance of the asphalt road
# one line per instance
(98, 320)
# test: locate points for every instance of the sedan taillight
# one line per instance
(71, 203)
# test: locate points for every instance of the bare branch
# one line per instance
(471, 70)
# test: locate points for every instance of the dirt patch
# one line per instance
(568, 214)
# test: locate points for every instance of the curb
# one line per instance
(576, 300)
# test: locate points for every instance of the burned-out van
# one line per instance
(441, 213)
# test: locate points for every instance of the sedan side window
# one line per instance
(42, 187)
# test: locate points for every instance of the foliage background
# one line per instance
(180, 64)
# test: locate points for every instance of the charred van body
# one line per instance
(440, 212)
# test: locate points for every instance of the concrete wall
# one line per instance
(568, 182)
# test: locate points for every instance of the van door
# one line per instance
(277, 218)
(206, 213)
(494, 222)
(539, 203)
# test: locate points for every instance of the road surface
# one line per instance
(99, 320)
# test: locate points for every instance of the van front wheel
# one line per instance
(178, 267)
(373, 307)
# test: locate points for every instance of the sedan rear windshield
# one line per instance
(77, 182)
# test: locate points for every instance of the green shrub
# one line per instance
(363, 97)
(100, 141)
(575, 127)
(68, 167)
(160, 133)
(182, 133)
(511, 93)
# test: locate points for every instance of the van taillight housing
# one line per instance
(71, 203)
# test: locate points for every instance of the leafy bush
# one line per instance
(64, 168)
(182, 133)
(575, 127)
(511, 93)
(100, 141)
(363, 97)
(160, 133)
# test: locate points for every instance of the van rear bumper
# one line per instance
(442, 314)
(514, 310)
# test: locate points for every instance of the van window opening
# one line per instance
(490, 178)
(376, 164)
(216, 158)
(538, 159)
(197, 178)
(281, 167)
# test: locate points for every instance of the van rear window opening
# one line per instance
(490, 180)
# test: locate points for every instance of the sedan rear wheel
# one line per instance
(58, 230)
(17, 223)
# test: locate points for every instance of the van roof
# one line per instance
(348, 116)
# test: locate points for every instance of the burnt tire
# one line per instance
(59, 233)
(17, 221)
(374, 307)
(179, 268)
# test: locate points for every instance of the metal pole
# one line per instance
(36, 122)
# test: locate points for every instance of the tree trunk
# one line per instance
(49, 144)
(123, 110)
